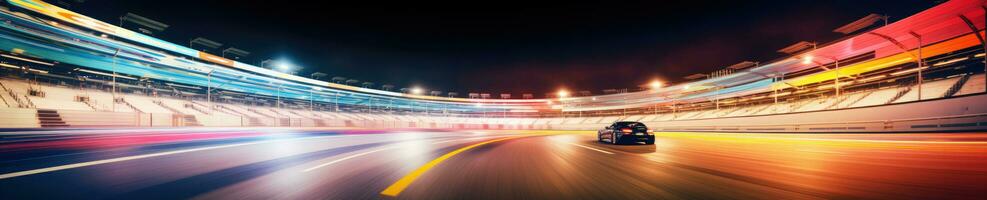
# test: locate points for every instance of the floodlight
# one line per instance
(655, 84)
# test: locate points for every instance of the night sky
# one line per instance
(497, 47)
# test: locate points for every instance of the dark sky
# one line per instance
(514, 47)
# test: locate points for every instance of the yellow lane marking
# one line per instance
(120, 159)
(591, 148)
(403, 183)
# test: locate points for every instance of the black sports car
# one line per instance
(626, 131)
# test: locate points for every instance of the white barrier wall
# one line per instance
(89, 118)
(220, 120)
(19, 118)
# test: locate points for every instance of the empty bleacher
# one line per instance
(878, 97)
(976, 84)
(847, 100)
(181, 106)
(74, 105)
(930, 90)
(145, 104)
(57, 98)
(103, 101)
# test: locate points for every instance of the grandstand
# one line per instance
(125, 80)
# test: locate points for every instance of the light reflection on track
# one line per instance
(305, 164)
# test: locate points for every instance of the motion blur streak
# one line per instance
(56, 168)
(63, 167)
(559, 166)
(399, 186)
(591, 148)
(368, 152)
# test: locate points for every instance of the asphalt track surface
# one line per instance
(419, 164)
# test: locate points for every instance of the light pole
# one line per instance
(336, 95)
(716, 97)
(114, 86)
(209, 90)
(279, 96)
(311, 98)
(920, 63)
(655, 85)
(562, 95)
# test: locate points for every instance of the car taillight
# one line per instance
(626, 130)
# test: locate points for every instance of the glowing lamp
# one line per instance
(655, 85)
(563, 93)
(807, 60)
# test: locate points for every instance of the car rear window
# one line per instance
(630, 124)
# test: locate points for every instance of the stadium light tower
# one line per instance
(418, 91)
(810, 59)
(655, 85)
(806, 49)
(311, 98)
(562, 95)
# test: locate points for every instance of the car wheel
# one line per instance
(649, 142)
(613, 138)
(599, 138)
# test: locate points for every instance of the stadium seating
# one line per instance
(58, 104)
(266, 111)
(138, 110)
(850, 99)
(575, 120)
(878, 97)
(646, 118)
(930, 90)
(146, 104)
(633, 118)
(15, 92)
(103, 101)
(181, 106)
(975, 84)
(239, 110)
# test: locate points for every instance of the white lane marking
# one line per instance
(475, 138)
(112, 160)
(345, 158)
(591, 148)
(378, 150)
